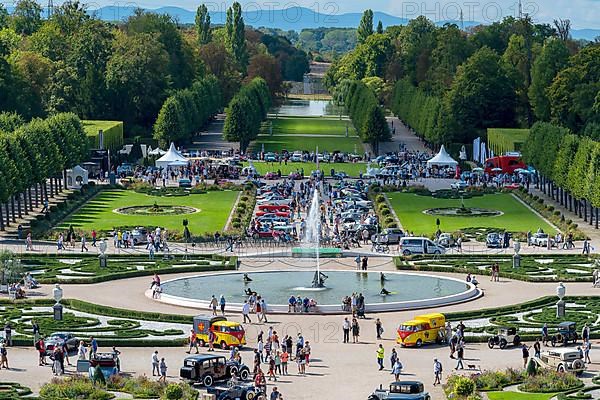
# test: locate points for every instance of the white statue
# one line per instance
(102, 247)
(561, 291)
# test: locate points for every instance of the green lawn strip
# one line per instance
(519, 396)
(352, 169)
(534, 268)
(85, 268)
(515, 218)
(98, 213)
(293, 143)
(308, 126)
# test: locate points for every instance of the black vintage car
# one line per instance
(241, 391)
(210, 368)
(567, 332)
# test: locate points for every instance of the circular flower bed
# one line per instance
(156, 209)
(463, 212)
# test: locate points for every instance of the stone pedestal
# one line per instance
(560, 309)
(516, 261)
(58, 312)
(103, 260)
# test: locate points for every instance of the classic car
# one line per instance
(567, 331)
(207, 369)
(505, 336)
(561, 360)
(401, 390)
(58, 338)
(237, 391)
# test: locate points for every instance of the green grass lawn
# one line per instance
(516, 218)
(98, 213)
(292, 143)
(352, 169)
(309, 126)
(519, 396)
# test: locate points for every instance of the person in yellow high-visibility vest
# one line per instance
(380, 356)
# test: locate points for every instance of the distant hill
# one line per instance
(293, 18)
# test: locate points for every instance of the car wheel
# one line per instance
(224, 345)
(201, 343)
(207, 381)
(503, 343)
(575, 339)
(491, 343)
(553, 342)
(419, 343)
(561, 368)
(406, 253)
(233, 371)
(250, 395)
(244, 374)
(135, 242)
(517, 340)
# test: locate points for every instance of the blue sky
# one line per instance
(582, 13)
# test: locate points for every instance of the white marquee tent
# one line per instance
(171, 157)
(442, 159)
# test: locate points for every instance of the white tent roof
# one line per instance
(171, 156)
(442, 159)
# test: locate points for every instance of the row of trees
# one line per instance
(569, 167)
(367, 116)
(246, 111)
(30, 154)
(185, 112)
(507, 74)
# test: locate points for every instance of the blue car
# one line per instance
(401, 390)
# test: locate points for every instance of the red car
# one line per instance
(274, 207)
(277, 213)
(508, 164)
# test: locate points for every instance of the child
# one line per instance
(163, 370)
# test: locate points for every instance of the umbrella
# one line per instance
(477, 170)
(496, 169)
(524, 171)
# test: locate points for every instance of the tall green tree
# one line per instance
(365, 26)
(515, 62)
(379, 27)
(203, 25)
(236, 35)
(27, 17)
(452, 49)
(553, 58)
(4, 20)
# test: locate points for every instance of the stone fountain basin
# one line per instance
(410, 290)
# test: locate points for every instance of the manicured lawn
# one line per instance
(519, 396)
(99, 213)
(309, 126)
(515, 218)
(293, 143)
(352, 169)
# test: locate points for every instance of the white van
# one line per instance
(419, 245)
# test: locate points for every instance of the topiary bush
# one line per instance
(173, 391)
(548, 381)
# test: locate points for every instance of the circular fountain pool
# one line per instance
(408, 291)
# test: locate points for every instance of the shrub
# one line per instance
(380, 198)
(392, 225)
(550, 381)
(389, 220)
(550, 208)
(385, 212)
(75, 387)
(173, 391)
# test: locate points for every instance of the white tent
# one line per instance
(77, 177)
(170, 157)
(442, 159)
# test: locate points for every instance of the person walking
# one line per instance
(193, 341)
(275, 394)
(8, 334)
(525, 353)
(380, 356)
(285, 356)
(460, 352)
(222, 304)
(357, 261)
(437, 372)
(365, 262)
(397, 369)
(246, 312)
(537, 348)
(355, 330)
(3, 356)
(346, 330)
(93, 347)
(378, 328)
(81, 351)
(35, 329)
(263, 307)
(155, 364)
(83, 241)
(94, 237)
(163, 371)
(393, 358)
(40, 346)
(213, 304)
(587, 346)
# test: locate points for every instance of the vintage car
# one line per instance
(58, 338)
(227, 333)
(389, 236)
(561, 360)
(426, 328)
(108, 362)
(207, 369)
(401, 390)
(505, 336)
(493, 240)
(237, 391)
(446, 240)
(541, 240)
(567, 331)
(274, 207)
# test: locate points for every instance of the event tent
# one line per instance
(172, 157)
(442, 159)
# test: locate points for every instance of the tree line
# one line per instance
(33, 153)
(365, 112)
(185, 112)
(75, 62)
(450, 85)
(246, 111)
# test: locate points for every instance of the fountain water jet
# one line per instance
(312, 236)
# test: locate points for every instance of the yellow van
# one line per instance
(426, 328)
(227, 333)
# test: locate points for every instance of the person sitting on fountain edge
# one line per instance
(384, 292)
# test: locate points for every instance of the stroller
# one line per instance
(360, 311)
